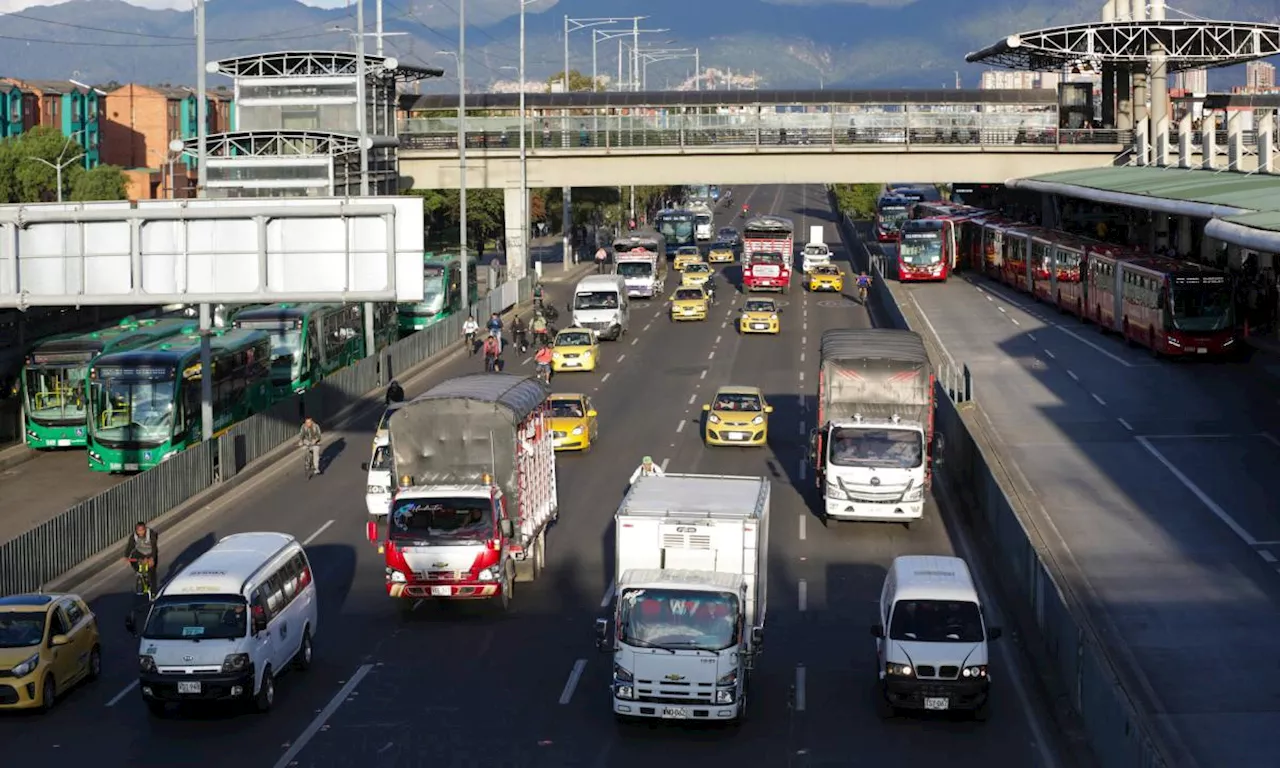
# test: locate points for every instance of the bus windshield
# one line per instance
(55, 394)
(133, 409)
(1201, 307)
(921, 248)
(891, 217)
(677, 230)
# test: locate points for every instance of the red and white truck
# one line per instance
(768, 250)
(476, 473)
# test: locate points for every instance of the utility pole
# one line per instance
(60, 165)
(378, 29)
(362, 98)
(202, 106)
(462, 153)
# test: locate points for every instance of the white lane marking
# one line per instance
(989, 297)
(608, 597)
(693, 399)
(1031, 336)
(803, 532)
(116, 699)
(1051, 355)
(664, 463)
(802, 598)
(680, 427)
(1094, 346)
(1125, 424)
(1270, 438)
(800, 692)
(1101, 402)
(622, 357)
(800, 427)
(314, 727)
(806, 326)
(1073, 375)
(1218, 511)
(703, 375)
(712, 355)
(525, 361)
(605, 377)
(802, 357)
(1014, 320)
(1265, 555)
(648, 326)
(571, 684)
(1002, 310)
(717, 341)
(725, 324)
(635, 342)
(804, 467)
(316, 535)
(802, 375)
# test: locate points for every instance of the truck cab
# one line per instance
(816, 253)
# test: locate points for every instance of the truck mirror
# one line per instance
(371, 531)
(877, 630)
(364, 466)
(813, 445)
(706, 407)
(602, 632)
(757, 636)
(994, 633)
(507, 528)
(131, 626)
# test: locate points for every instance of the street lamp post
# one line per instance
(601, 35)
(578, 24)
(462, 155)
(60, 164)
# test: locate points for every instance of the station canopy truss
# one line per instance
(246, 144)
(304, 64)
(1188, 44)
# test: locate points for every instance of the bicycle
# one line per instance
(308, 461)
(862, 292)
(471, 343)
(142, 577)
(544, 373)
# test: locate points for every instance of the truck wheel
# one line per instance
(503, 600)
(539, 554)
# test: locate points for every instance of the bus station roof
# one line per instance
(1244, 209)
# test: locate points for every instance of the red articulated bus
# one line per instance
(926, 250)
(891, 212)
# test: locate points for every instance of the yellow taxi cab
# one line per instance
(575, 349)
(689, 304)
(737, 416)
(685, 255)
(759, 316)
(721, 253)
(48, 644)
(573, 422)
(825, 278)
(695, 274)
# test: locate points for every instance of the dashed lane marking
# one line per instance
(316, 535)
(314, 727)
(1125, 424)
(1073, 375)
(622, 357)
(693, 399)
(1099, 400)
(571, 684)
(605, 377)
(803, 522)
(802, 596)
(680, 426)
(801, 694)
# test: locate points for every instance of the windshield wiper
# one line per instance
(645, 644)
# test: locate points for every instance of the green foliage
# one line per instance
(857, 200)
(440, 208)
(25, 179)
(577, 81)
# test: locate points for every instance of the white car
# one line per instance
(377, 495)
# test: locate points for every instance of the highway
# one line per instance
(1148, 478)
(459, 686)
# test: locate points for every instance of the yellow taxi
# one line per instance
(695, 274)
(721, 253)
(759, 316)
(575, 349)
(825, 278)
(690, 304)
(685, 255)
(737, 416)
(573, 422)
(48, 644)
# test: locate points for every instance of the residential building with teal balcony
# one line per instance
(73, 108)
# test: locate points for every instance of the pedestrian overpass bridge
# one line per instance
(749, 137)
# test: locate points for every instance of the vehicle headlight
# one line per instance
(974, 672)
(758, 420)
(490, 573)
(235, 662)
(899, 670)
(624, 691)
(622, 674)
(729, 678)
(557, 355)
(725, 695)
(578, 431)
(29, 665)
(396, 576)
(378, 490)
(773, 316)
(146, 663)
(714, 419)
(914, 494)
(586, 355)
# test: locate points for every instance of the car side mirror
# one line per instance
(364, 466)
(507, 528)
(58, 640)
(706, 408)
(371, 531)
(768, 409)
(592, 414)
(602, 633)
(877, 630)
(131, 625)
(994, 633)
(259, 624)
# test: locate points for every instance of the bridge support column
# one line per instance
(1184, 141)
(1141, 114)
(566, 216)
(1124, 99)
(1235, 140)
(1109, 96)
(1208, 140)
(1265, 121)
(513, 208)
(1159, 230)
(1160, 105)
(1183, 242)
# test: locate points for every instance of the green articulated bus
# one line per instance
(144, 404)
(311, 341)
(55, 377)
(441, 293)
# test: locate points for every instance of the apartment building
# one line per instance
(73, 108)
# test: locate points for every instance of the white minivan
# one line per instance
(931, 642)
(600, 303)
(377, 495)
(225, 627)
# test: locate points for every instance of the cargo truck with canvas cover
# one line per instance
(768, 247)
(691, 576)
(475, 464)
(872, 447)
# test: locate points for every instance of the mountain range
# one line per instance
(786, 43)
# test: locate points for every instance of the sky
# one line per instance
(11, 6)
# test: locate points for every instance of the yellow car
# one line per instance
(721, 254)
(685, 255)
(759, 316)
(825, 278)
(575, 349)
(48, 644)
(689, 304)
(695, 274)
(573, 422)
(737, 416)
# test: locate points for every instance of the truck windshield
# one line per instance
(635, 268)
(197, 617)
(889, 448)
(936, 621)
(679, 618)
(381, 459)
(595, 300)
(766, 257)
(445, 521)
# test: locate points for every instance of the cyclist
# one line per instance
(469, 330)
(646, 469)
(492, 354)
(520, 334)
(863, 282)
(143, 547)
(395, 392)
(745, 209)
(494, 326)
(540, 331)
(309, 437)
(542, 361)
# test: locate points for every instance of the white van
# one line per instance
(225, 627)
(931, 642)
(600, 303)
(377, 496)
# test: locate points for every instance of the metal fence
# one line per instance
(1118, 733)
(58, 545)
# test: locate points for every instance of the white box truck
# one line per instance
(816, 253)
(690, 596)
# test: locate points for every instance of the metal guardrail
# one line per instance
(1069, 647)
(56, 546)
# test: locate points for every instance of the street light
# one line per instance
(462, 156)
(588, 24)
(633, 61)
(524, 171)
(653, 56)
(60, 165)
(602, 35)
(362, 126)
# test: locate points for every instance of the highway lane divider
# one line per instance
(80, 542)
(1104, 702)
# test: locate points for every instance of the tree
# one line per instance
(857, 200)
(25, 180)
(105, 182)
(577, 81)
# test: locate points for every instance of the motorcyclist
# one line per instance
(540, 331)
(310, 437)
(144, 546)
(492, 353)
(646, 469)
(395, 392)
(469, 330)
(520, 333)
(542, 361)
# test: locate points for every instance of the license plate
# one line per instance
(937, 704)
(130, 467)
(64, 443)
(679, 713)
(1201, 351)
(188, 687)
(759, 326)
(737, 435)
(441, 591)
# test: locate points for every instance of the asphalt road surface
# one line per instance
(459, 686)
(1156, 484)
